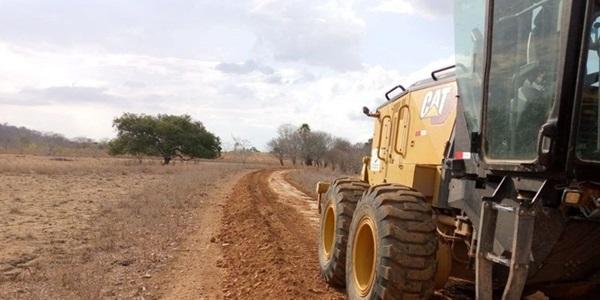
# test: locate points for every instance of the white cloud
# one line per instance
(246, 67)
(425, 8)
(319, 33)
(402, 7)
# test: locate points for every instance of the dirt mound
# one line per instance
(293, 197)
(269, 247)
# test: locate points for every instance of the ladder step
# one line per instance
(499, 259)
(503, 208)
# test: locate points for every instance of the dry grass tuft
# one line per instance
(15, 211)
(305, 179)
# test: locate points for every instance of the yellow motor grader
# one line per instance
(489, 173)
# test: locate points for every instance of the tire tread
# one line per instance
(408, 243)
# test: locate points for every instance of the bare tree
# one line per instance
(276, 148)
(317, 148)
(242, 148)
(318, 143)
(289, 140)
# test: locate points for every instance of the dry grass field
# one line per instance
(115, 228)
(93, 228)
(305, 179)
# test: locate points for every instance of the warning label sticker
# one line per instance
(375, 162)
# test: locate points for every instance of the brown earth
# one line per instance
(305, 179)
(269, 247)
(195, 273)
(104, 228)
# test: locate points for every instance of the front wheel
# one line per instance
(391, 251)
(336, 214)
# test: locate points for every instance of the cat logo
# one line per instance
(436, 106)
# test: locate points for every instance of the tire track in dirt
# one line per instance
(270, 244)
(195, 275)
(291, 196)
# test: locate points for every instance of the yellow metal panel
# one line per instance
(424, 180)
(410, 137)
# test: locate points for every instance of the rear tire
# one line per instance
(392, 246)
(336, 215)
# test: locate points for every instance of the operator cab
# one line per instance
(528, 82)
(533, 104)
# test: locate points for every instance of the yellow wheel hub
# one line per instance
(328, 234)
(364, 256)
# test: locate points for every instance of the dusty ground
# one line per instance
(269, 246)
(100, 228)
(195, 273)
(305, 179)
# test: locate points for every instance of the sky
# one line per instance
(242, 68)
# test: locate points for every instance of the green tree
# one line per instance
(167, 136)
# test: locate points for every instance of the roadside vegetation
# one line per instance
(165, 136)
(303, 146)
(305, 179)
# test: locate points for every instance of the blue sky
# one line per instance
(241, 67)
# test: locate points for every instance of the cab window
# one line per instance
(588, 137)
(523, 71)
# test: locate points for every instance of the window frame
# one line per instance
(592, 16)
(516, 164)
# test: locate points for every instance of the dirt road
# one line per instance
(197, 271)
(264, 246)
(269, 242)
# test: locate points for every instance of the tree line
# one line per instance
(301, 145)
(22, 140)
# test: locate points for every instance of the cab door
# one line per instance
(398, 142)
(381, 148)
(522, 83)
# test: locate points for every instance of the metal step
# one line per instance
(499, 259)
(518, 262)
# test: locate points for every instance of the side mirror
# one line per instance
(368, 113)
(366, 110)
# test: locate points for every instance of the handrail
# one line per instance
(379, 139)
(441, 70)
(404, 132)
(387, 95)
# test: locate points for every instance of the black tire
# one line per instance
(399, 260)
(336, 215)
